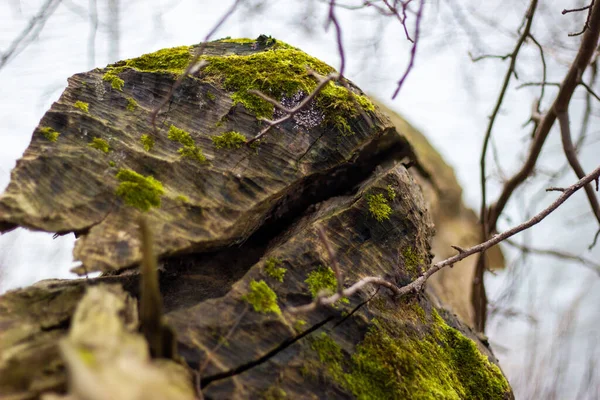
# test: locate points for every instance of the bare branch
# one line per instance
(394, 11)
(566, 11)
(419, 283)
(290, 111)
(581, 62)
(413, 50)
(558, 254)
(544, 70)
(587, 21)
(591, 246)
(486, 56)
(569, 150)
(589, 90)
(542, 84)
(31, 31)
(338, 35)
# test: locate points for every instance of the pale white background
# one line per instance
(446, 96)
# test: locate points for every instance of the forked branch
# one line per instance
(419, 283)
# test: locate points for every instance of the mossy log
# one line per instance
(237, 231)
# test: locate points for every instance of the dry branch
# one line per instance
(419, 283)
(290, 112)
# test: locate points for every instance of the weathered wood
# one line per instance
(240, 252)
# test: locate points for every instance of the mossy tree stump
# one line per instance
(235, 230)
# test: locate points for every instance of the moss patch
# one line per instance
(238, 41)
(173, 60)
(182, 199)
(274, 393)
(391, 193)
(49, 133)
(189, 149)
(147, 142)
(229, 140)
(273, 270)
(85, 107)
(115, 82)
(141, 192)
(131, 104)
(323, 279)
(262, 298)
(378, 206)
(441, 365)
(281, 71)
(299, 325)
(412, 260)
(99, 144)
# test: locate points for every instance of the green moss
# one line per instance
(391, 193)
(182, 199)
(173, 60)
(147, 142)
(229, 140)
(85, 107)
(195, 153)
(262, 298)
(49, 133)
(329, 352)
(281, 71)
(273, 270)
(378, 206)
(299, 325)
(238, 41)
(112, 163)
(180, 136)
(131, 104)
(189, 148)
(211, 96)
(440, 365)
(115, 82)
(142, 192)
(323, 279)
(412, 260)
(99, 144)
(274, 393)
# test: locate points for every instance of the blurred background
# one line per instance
(544, 311)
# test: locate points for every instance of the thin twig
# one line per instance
(591, 246)
(486, 56)
(338, 36)
(586, 50)
(290, 112)
(589, 90)
(402, 18)
(31, 31)
(594, 266)
(419, 283)
(544, 70)
(542, 84)
(509, 72)
(587, 20)
(413, 50)
(566, 11)
(569, 150)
